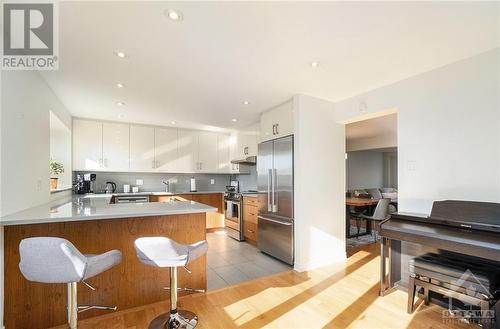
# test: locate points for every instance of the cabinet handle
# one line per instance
(246, 150)
(274, 133)
(277, 132)
(251, 231)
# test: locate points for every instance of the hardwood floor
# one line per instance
(340, 296)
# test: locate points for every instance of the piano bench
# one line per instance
(471, 280)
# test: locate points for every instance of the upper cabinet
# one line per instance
(207, 152)
(115, 146)
(277, 122)
(247, 145)
(187, 158)
(224, 153)
(166, 149)
(142, 148)
(109, 146)
(87, 145)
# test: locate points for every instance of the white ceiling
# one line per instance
(386, 125)
(200, 70)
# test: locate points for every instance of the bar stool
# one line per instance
(56, 260)
(164, 252)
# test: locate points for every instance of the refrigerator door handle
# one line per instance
(275, 184)
(269, 184)
(272, 189)
(275, 221)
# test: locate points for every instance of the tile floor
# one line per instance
(231, 262)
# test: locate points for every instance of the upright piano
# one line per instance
(465, 227)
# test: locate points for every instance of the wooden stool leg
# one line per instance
(358, 226)
(411, 294)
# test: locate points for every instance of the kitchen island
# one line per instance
(94, 225)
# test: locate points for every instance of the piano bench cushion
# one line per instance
(459, 271)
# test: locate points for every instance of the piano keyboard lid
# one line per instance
(467, 214)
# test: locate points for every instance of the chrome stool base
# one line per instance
(181, 319)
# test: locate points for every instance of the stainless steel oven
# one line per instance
(233, 220)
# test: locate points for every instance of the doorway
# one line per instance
(371, 177)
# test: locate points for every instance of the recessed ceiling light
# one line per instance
(120, 103)
(119, 85)
(314, 64)
(173, 122)
(173, 15)
(120, 54)
(246, 102)
(234, 120)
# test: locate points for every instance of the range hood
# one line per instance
(246, 161)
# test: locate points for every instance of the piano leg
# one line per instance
(383, 242)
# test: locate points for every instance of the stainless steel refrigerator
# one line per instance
(275, 185)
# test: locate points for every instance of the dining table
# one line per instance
(358, 202)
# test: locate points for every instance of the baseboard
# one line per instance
(317, 263)
(214, 229)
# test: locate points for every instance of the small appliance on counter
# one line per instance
(85, 183)
(110, 187)
(192, 185)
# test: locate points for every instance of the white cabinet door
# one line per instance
(115, 146)
(166, 149)
(187, 154)
(223, 153)
(247, 145)
(87, 145)
(277, 122)
(142, 148)
(207, 152)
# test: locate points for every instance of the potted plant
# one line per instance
(56, 168)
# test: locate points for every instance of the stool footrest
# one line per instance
(187, 289)
(83, 308)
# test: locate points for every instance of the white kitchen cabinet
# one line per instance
(187, 154)
(277, 122)
(87, 145)
(166, 149)
(247, 145)
(115, 146)
(223, 153)
(142, 148)
(207, 152)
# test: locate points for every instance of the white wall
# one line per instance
(25, 143)
(319, 179)
(448, 131)
(378, 142)
(365, 169)
(60, 148)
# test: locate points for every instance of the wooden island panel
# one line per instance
(128, 285)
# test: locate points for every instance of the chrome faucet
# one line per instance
(167, 186)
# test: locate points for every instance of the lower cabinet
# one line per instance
(215, 220)
(250, 212)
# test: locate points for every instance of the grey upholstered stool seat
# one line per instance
(164, 252)
(56, 260)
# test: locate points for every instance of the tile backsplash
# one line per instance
(152, 182)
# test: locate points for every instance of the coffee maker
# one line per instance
(85, 183)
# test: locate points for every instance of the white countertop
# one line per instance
(97, 206)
